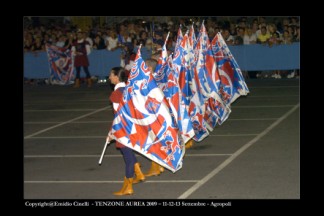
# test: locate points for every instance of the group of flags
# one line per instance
(188, 95)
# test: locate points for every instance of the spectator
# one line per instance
(112, 41)
(264, 36)
(297, 38)
(61, 41)
(99, 43)
(127, 57)
(38, 45)
(81, 50)
(274, 39)
(286, 38)
(249, 37)
(28, 43)
(239, 36)
(229, 39)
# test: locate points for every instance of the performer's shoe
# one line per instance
(89, 80)
(189, 144)
(154, 170)
(127, 188)
(76, 83)
(138, 173)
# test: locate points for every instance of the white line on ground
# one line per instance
(270, 96)
(274, 87)
(231, 135)
(253, 119)
(67, 103)
(206, 155)
(77, 122)
(64, 101)
(63, 110)
(104, 137)
(107, 182)
(105, 100)
(70, 137)
(82, 110)
(94, 156)
(200, 183)
(63, 123)
(69, 156)
(99, 122)
(275, 106)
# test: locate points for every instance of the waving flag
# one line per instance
(216, 103)
(204, 83)
(233, 83)
(143, 121)
(179, 38)
(192, 44)
(176, 61)
(168, 82)
(163, 56)
(60, 65)
(180, 68)
(192, 97)
(216, 110)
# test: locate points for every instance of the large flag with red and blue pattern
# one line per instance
(192, 96)
(181, 72)
(61, 65)
(216, 110)
(164, 55)
(177, 55)
(168, 82)
(167, 79)
(232, 80)
(143, 120)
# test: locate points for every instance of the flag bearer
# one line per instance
(132, 167)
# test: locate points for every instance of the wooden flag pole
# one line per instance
(103, 152)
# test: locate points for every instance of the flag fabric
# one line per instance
(216, 110)
(189, 92)
(168, 82)
(204, 82)
(232, 80)
(182, 73)
(215, 102)
(180, 65)
(176, 61)
(143, 120)
(179, 38)
(197, 105)
(163, 56)
(192, 44)
(61, 65)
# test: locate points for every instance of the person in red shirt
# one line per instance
(81, 50)
(118, 78)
